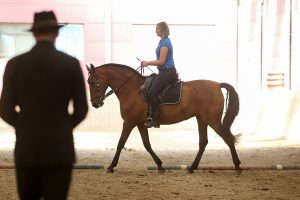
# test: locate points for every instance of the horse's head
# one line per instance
(97, 86)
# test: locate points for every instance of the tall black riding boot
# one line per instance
(153, 119)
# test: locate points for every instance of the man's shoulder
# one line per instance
(63, 55)
(18, 57)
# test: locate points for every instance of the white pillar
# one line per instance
(108, 31)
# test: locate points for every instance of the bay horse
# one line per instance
(202, 99)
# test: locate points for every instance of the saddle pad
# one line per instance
(171, 94)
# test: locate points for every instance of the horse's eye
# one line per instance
(90, 81)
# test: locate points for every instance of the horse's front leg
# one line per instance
(127, 128)
(145, 137)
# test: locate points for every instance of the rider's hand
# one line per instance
(145, 64)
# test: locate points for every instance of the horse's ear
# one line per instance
(92, 67)
(87, 67)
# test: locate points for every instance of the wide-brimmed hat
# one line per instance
(44, 21)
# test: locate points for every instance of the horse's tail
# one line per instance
(232, 109)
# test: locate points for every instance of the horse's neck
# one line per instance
(124, 82)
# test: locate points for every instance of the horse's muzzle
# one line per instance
(97, 102)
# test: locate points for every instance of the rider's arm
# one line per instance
(162, 58)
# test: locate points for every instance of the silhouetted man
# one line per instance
(41, 83)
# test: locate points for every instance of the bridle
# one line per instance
(98, 89)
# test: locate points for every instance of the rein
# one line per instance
(140, 68)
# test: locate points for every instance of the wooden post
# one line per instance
(230, 167)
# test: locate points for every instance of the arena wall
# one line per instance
(240, 42)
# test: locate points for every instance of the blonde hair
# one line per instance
(163, 26)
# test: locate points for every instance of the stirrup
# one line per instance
(151, 123)
(148, 122)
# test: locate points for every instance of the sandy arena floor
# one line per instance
(132, 180)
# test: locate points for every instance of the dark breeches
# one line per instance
(163, 78)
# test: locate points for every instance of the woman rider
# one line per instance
(166, 72)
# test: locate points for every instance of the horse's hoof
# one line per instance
(109, 171)
(161, 171)
(190, 170)
(238, 172)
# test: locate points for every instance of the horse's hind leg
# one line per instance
(145, 137)
(202, 129)
(230, 140)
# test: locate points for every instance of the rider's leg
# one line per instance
(163, 78)
(153, 115)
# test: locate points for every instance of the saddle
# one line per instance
(171, 94)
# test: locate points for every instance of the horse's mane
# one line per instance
(120, 66)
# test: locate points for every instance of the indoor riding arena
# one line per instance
(251, 45)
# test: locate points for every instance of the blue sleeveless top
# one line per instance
(166, 42)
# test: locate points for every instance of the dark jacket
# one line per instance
(42, 82)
